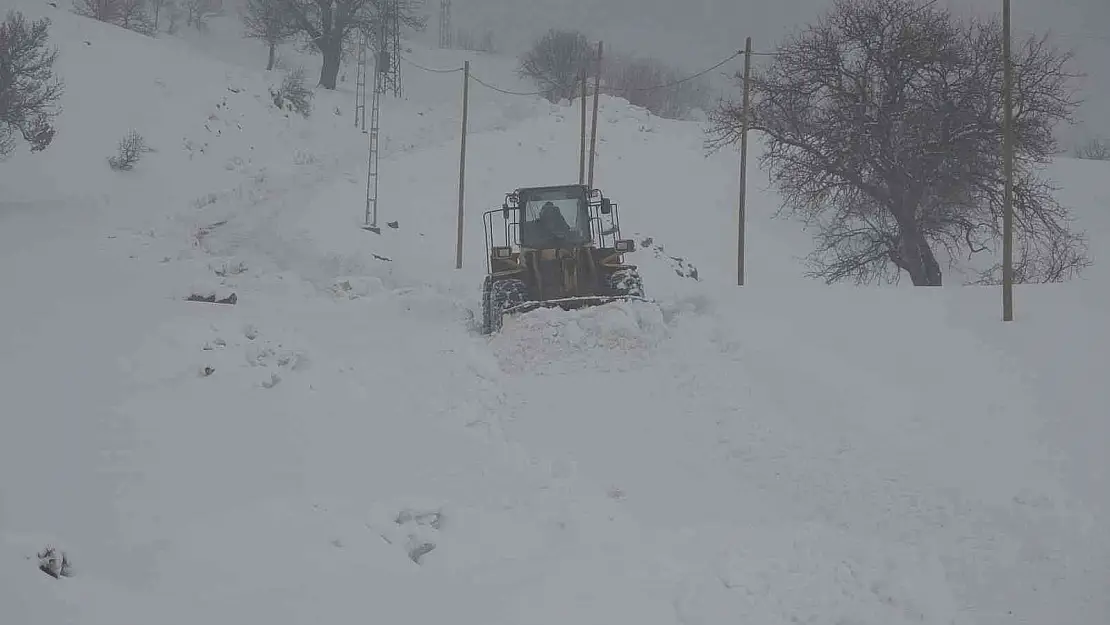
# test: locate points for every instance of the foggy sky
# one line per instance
(695, 34)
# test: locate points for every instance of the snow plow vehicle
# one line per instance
(557, 246)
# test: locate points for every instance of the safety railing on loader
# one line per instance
(603, 218)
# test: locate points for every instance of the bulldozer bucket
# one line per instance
(572, 303)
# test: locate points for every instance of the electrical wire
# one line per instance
(540, 93)
(505, 91)
(428, 69)
(682, 80)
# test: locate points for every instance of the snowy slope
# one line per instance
(341, 444)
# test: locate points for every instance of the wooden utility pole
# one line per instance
(1007, 169)
(744, 124)
(462, 163)
(593, 127)
(582, 149)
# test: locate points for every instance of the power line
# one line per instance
(686, 79)
(1084, 36)
(505, 91)
(473, 77)
(429, 69)
(637, 89)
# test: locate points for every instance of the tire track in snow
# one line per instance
(721, 436)
(725, 432)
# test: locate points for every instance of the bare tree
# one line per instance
(102, 10)
(883, 130)
(129, 14)
(268, 20)
(29, 91)
(175, 14)
(157, 6)
(134, 16)
(198, 12)
(1096, 150)
(466, 40)
(556, 63)
(327, 25)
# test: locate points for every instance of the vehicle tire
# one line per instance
(505, 294)
(625, 283)
(487, 283)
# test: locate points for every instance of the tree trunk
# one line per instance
(331, 48)
(918, 260)
(270, 63)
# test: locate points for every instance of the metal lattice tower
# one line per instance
(372, 164)
(389, 47)
(445, 24)
(387, 76)
(360, 82)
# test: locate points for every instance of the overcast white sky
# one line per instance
(697, 33)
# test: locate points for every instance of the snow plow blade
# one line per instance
(572, 303)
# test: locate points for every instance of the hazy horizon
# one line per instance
(695, 34)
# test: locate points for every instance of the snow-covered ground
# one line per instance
(341, 444)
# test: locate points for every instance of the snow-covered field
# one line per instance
(340, 444)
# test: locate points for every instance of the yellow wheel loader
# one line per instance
(556, 246)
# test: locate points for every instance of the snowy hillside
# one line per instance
(340, 443)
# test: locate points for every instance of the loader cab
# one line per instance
(555, 222)
(554, 217)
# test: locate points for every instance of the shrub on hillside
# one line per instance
(556, 63)
(293, 95)
(29, 91)
(131, 149)
(1095, 150)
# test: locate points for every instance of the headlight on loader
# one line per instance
(625, 245)
(502, 252)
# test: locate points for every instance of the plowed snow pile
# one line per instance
(614, 337)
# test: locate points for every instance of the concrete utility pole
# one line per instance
(1007, 169)
(445, 23)
(582, 148)
(462, 163)
(593, 128)
(744, 124)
